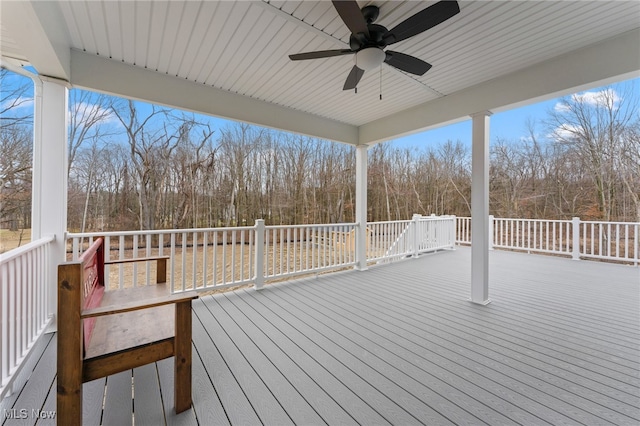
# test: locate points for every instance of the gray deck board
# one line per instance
(282, 386)
(92, 398)
(316, 362)
(206, 401)
(238, 409)
(538, 346)
(424, 362)
(32, 398)
(250, 401)
(396, 344)
(393, 363)
(402, 317)
(118, 406)
(323, 391)
(147, 401)
(49, 406)
(165, 376)
(8, 403)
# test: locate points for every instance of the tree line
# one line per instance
(147, 167)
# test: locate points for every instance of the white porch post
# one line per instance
(480, 209)
(361, 207)
(49, 199)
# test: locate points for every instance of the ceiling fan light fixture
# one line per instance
(369, 58)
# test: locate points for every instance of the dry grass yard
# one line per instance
(13, 239)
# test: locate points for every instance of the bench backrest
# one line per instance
(92, 284)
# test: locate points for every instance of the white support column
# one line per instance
(416, 234)
(361, 207)
(480, 209)
(575, 232)
(258, 280)
(491, 231)
(49, 196)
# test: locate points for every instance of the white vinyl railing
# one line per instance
(25, 284)
(615, 241)
(215, 258)
(387, 241)
(201, 259)
(533, 235)
(609, 240)
(298, 249)
(463, 230)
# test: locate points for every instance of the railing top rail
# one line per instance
(390, 221)
(532, 220)
(317, 225)
(444, 217)
(153, 231)
(610, 223)
(12, 254)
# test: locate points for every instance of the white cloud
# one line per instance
(85, 109)
(561, 107)
(602, 98)
(565, 132)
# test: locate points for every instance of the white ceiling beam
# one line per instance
(38, 28)
(105, 75)
(612, 60)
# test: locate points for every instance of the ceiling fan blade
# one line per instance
(407, 63)
(422, 21)
(320, 54)
(353, 78)
(351, 15)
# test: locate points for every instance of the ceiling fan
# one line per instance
(368, 40)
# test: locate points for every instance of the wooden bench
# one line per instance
(105, 332)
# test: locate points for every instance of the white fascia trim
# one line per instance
(37, 27)
(612, 60)
(117, 78)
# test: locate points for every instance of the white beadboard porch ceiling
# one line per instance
(242, 47)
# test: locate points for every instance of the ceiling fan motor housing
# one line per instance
(376, 38)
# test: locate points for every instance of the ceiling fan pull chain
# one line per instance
(380, 81)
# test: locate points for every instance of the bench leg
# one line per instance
(182, 362)
(69, 397)
(69, 351)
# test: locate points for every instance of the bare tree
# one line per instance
(89, 112)
(628, 163)
(193, 156)
(591, 125)
(16, 96)
(15, 176)
(16, 147)
(149, 150)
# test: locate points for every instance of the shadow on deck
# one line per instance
(399, 343)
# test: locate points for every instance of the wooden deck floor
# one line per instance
(397, 344)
